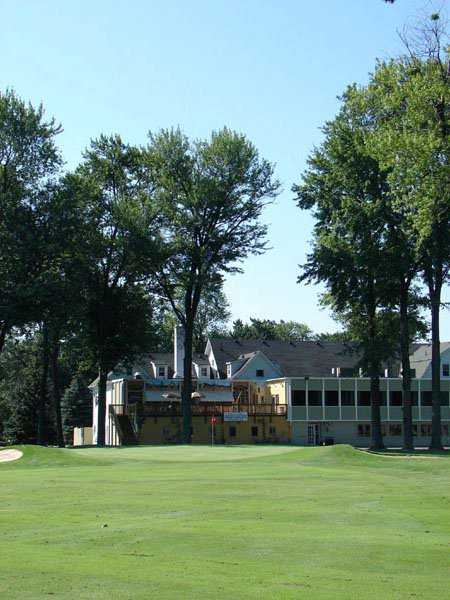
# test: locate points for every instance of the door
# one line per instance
(313, 434)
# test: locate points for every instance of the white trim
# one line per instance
(388, 400)
(340, 399)
(323, 399)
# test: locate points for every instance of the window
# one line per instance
(347, 398)
(272, 430)
(363, 398)
(445, 430)
(314, 398)
(255, 431)
(427, 399)
(161, 371)
(396, 399)
(446, 370)
(331, 398)
(364, 430)
(259, 372)
(298, 397)
(276, 399)
(425, 429)
(204, 371)
(395, 429)
(228, 371)
(232, 431)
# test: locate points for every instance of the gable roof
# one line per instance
(314, 359)
(248, 358)
(420, 357)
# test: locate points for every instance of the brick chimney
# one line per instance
(178, 351)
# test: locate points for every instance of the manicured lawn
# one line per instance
(224, 523)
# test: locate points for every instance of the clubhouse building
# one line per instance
(264, 391)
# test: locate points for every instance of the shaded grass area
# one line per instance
(223, 522)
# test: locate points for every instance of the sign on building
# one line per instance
(235, 416)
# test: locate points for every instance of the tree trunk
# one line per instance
(43, 390)
(408, 439)
(374, 366)
(3, 334)
(436, 439)
(377, 436)
(56, 390)
(101, 406)
(186, 394)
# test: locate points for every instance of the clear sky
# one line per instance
(271, 69)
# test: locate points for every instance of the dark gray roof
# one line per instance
(314, 359)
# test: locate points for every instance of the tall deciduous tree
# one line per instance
(412, 96)
(119, 248)
(211, 194)
(28, 159)
(344, 186)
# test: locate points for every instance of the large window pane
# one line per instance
(331, 398)
(347, 398)
(363, 398)
(314, 398)
(298, 397)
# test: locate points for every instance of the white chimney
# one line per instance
(178, 351)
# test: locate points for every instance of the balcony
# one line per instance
(165, 409)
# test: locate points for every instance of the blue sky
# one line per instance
(272, 70)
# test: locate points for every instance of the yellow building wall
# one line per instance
(277, 389)
(166, 430)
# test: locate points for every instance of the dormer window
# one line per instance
(445, 370)
(162, 371)
(228, 370)
(204, 372)
(259, 372)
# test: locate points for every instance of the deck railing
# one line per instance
(158, 409)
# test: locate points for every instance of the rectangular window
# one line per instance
(331, 398)
(255, 431)
(259, 372)
(232, 431)
(204, 371)
(427, 399)
(276, 399)
(161, 371)
(363, 398)
(425, 429)
(445, 430)
(395, 429)
(314, 398)
(272, 430)
(347, 398)
(396, 399)
(364, 430)
(298, 397)
(446, 370)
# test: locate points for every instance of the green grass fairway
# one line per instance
(224, 523)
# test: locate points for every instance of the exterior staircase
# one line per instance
(124, 428)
